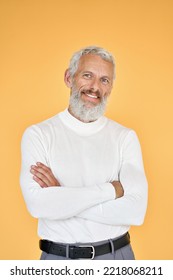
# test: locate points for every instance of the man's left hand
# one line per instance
(43, 176)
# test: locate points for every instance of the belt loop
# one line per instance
(67, 251)
(112, 246)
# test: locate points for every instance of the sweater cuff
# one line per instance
(109, 190)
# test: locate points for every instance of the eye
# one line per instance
(105, 81)
(87, 75)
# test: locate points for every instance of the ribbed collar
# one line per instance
(81, 128)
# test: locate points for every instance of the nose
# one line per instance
(94, 85)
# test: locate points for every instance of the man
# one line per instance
(82, 174)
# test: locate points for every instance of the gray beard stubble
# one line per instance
(79, 109)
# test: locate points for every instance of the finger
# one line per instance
(40, 182)
(43, 170)
(45, 167)
(46, 171)
(41, 176)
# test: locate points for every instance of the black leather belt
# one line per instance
(83, 251)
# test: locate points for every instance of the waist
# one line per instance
(87, 251)
(76, 231)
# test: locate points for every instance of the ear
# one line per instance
(68, 79)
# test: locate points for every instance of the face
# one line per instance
(90, 86)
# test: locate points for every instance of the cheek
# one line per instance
(107, 91)
(82, 86)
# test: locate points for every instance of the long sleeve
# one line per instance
(131, 208)
(54, 202)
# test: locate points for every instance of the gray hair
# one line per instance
(104, 54)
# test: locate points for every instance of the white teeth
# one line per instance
(92, 96)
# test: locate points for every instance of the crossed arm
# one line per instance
(120, 212)
(45, 178)
(121, 202)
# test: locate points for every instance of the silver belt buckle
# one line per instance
(92, 252)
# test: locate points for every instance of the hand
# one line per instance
(118, 189)
(43, 176)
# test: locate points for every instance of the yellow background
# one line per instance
(37, 40)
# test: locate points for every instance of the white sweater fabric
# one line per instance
(85, 158)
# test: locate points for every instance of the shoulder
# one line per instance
(124, 135)
(115, 125)
(119, 129)
(41, 129)
(127, 138)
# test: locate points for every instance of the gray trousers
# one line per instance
(125, 253)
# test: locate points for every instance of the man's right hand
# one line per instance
(118, 189)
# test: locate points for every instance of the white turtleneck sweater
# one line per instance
(85, 158)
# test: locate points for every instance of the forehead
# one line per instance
(95, 64)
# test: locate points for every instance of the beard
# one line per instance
(80, 109)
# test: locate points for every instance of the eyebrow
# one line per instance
(90, 72)
(107, 77)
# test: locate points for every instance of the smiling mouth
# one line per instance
(94, 96)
